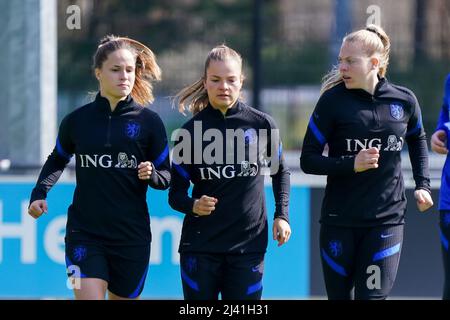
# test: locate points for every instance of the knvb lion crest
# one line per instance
(397, 111)
(191, 264)
(250, 136)
(335, 248)
(132, 129)
(79, 253)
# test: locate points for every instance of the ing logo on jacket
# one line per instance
(229, 171)
(105, 161)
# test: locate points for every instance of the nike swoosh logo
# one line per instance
(384, 236)
(255, 269)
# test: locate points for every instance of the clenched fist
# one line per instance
(367, 159)
(204, 206)
(37, 208)
(145, 170)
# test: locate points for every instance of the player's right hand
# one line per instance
(438, 142)
(37, 208)
(367, 159)
(204, 206)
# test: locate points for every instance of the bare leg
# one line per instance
(91, 289)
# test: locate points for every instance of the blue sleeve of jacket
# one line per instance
(444, 115)
(417, 147)
(159, 156)
(320, 127)
(280, 174)
(179, 198)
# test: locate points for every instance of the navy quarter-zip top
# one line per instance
(109, 201)
(348, 120)
(239, 222)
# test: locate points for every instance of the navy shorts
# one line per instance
(233, 276)
(123, 267)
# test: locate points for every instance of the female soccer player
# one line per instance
(224, 151)
(120, 148)
(365, 120)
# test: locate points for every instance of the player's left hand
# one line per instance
(439, 142)
(423, 198)
(145, 170)
(281, 231)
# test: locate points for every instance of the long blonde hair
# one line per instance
(147, 70)
(374, 40)
(195, 97)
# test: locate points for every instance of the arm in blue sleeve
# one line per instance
(417, 148)
(444, 115)
(55, 163)
(319, 130)
(179, 198)
(159, 155)
(281, 186)
(281, 177)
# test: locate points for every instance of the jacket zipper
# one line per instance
(108, 133)
(228, 144)
(375, 113)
